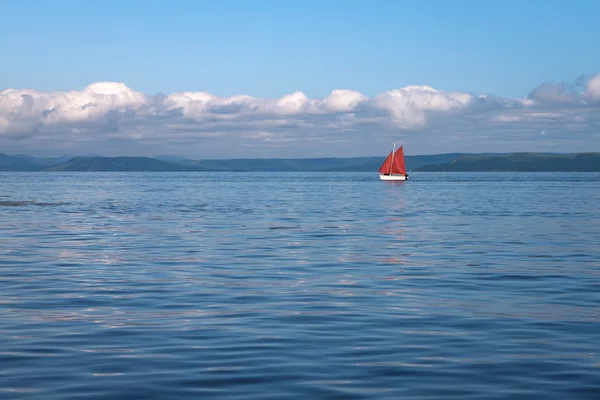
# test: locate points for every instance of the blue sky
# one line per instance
(268, 49)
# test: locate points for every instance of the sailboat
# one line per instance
(393, 168)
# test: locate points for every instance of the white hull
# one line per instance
(393, 177)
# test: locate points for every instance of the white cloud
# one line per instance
(23, 110)
(343, 101)
(409, 106)
(202, 105)
(593, 88)
(506, 118)
(106, 115)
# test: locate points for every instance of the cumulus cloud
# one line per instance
(202, 105)
(26, 110)
(110, 117)
(593, 88)
(549, 93)
(410, 107)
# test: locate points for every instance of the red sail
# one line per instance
(385, 167)
(398, 167)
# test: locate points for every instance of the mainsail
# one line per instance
(385, 167)
(398, 167)
(394, 163)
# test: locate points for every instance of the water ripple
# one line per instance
(298, 285)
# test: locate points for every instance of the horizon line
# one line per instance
(157, 156)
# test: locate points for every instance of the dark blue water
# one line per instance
(296, 285)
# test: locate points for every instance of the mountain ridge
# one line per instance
(447, 162)
(520, 162)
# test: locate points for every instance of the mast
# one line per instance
(392, 164)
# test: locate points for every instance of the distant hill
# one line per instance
(44, 161)
(439, 162)
(13, 163)
(292, 164)
(355, 164)
(174, 163)
(173, 159)
(415, 162)
(520, 162)
(119, 164)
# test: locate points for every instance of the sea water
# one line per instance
(299, 285)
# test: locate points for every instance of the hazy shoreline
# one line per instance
(451, 162)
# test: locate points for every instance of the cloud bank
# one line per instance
(112, 119)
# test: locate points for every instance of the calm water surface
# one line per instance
(296, 285)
